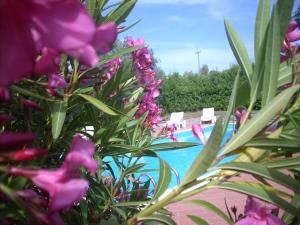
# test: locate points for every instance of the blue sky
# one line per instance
(175, 29)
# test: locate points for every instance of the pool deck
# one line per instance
(217, 197)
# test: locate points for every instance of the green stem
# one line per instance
(160, 204)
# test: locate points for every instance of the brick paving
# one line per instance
(181, 209)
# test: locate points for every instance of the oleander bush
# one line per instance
(78, 107)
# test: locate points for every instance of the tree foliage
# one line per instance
(192, 92)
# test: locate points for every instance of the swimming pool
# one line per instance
(180, 159)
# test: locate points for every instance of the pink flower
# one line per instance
(258, 213)
(31, 104)
(199, 133)
(27, 154)
(240, 115)
(81, 154)
(4, 118)
(171, 131)
(62, 26)
(64, 185)
(289, 49)
(13, 140)
(56, 81)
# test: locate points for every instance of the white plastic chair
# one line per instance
(208, 114)
(177, 119)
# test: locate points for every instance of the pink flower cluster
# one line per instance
(110, 69)
(146, 76)
(170, 131)
(290, 48)
(48, 28)
(63, 185)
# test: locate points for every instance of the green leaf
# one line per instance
(258, 72)
(134, 168)
(261, 24)
(198, 220)
(231, 104)
(273, 143)
(111, 221)
(168, 146)
(90, 5)
(284, 163)
(259, 191)
(272, 60)
(164, 179)
(97, 103)
(243, 94)
(58, 115)
(29, 93)
(121, 12)
(263, 171)
(130, 26)
(207, 155)
(122, 52)
(213, 208)
(128, 204)
(84, 212)
(239, 50)
(288, 217)
(159, 218)
(260, 120)
(285, 73)
(284, 9)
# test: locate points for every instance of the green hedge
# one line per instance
(191, 92)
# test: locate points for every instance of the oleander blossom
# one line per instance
(146, 76)
(49, 27)
(110, 69)
(240, 115)
(199, 133)
(256, 212)
(170, 132)
(290, 47)
(64, 185)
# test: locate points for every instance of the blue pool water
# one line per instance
(180, 159)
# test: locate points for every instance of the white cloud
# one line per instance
(185, 59)
(217, 9)
(177, 19)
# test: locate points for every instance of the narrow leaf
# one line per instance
(121, 12)
(207, 155)
(284, 163)
(239, 50)
(262, 19)
(213, 208)
(231, 104)
(164, 179)
(263, 171)
(273, 143)
(261, 192)
(171, 146)
(159, 218)
(260, 120)
(97, 103)
(272, 60)
(198, 220)
(58, 115)
(284, 8)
